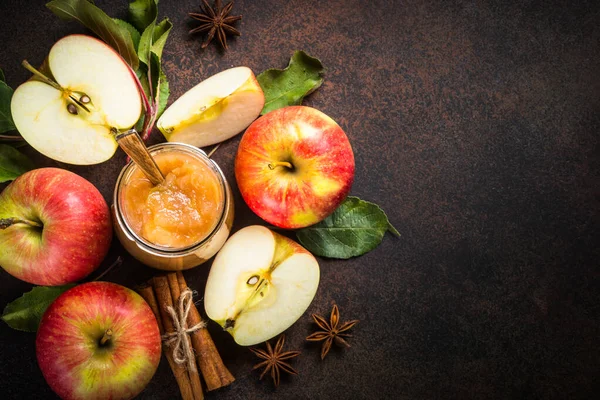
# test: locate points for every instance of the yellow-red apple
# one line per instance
(294, 166)
(55, 227)
(98, 340)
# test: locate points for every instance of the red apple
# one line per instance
(294, 166)
(98, 340)
(55, 227)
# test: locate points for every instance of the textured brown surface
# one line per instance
(475, 126)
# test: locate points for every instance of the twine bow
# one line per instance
(182, 350)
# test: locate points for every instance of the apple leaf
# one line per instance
(153, 40)
(13, 163)
(133, 33)
(2, 78)
(146, 43)
(25, 313)
(355, 228)
(287, 87)
(161, 33)
(155, 81)
(98, 22)
(163, 94)
(142, 13)
(6, 121)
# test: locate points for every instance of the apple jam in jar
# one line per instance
(181, 222)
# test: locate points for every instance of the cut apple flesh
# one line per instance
(51, 121)
(215, 109)
(260, 284)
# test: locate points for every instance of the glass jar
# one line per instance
(169, 258)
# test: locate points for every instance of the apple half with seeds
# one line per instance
(260, 284)
(70, 116)
(215, 110)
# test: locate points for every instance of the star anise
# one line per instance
(331, 331)
(274, 360)
(215, 20)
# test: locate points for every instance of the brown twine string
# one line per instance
(182, 351)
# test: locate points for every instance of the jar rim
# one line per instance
(165, 251)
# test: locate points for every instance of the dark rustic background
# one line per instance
(475, 126)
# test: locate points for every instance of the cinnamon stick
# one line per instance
(163, 295)
(194, 375)
(147, 294)
(215, 373)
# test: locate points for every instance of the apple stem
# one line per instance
(41, 76)
(52, 83)
(281, 164)
(150, 110)
(213, 150)
(107, 335)
(6, 222)
(10, 137)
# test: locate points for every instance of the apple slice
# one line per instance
(260, 284)
(215, 109)
(70, 120)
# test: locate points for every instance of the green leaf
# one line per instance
(154, 81)
(146, 44)
(355, 228)
(163, 94)
(133, 33)
(98, 22)
(161, 33)
(13, 163)
(150, 51)
(2, 79)
(25, 313)
(153, 40)
(6, 121)
(287, 87)
(142, 13)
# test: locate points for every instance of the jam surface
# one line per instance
(179, 212)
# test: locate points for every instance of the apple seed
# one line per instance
(85, 99)
(253, 280)
(72, 108)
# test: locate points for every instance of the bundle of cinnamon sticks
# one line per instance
(162, 292)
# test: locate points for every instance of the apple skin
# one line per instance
(76, 232)
(322, 160)
(67, 344)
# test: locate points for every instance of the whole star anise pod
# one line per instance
(331, 332)
(216, 21)
(274, 360)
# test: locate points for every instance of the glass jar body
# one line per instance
(166, 258)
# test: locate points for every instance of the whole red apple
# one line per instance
(55, 227)
(98, 340)
(294, 166)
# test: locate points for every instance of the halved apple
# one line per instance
(215, 109)
(260, 284)
(70, 119)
